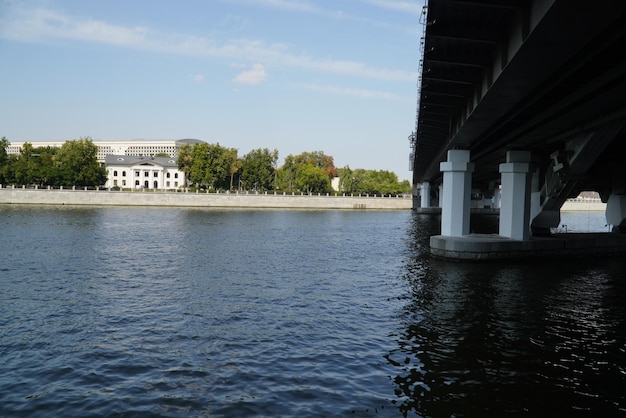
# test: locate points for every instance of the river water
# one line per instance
(189, 312)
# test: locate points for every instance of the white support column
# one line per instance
(515, 196)
(616, 211)
(496, 198)
(455, 200)
(425, 194)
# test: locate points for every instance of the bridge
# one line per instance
(526, 98)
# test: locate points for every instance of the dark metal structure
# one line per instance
(547, 76)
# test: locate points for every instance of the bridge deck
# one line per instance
(518, 74)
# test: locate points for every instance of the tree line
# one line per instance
(206, 166)
(73, 164)
(212, 166)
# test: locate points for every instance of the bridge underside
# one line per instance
(547, 76)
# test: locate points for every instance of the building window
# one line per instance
(123, 182)
(136, 182)
(167, 184)
(146, 174)
(175, 175)
(123, 173)
(155, 174)
(146, 184)
(114, 183)
(136, 173)
(175, 184)
(168, 175)
(115, 173)
(156, 184)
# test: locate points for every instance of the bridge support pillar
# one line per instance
(515, 197)
(425, 194)
(495, 201)
(455, 200)
(616, 212)
(440, 196)
(415, 196)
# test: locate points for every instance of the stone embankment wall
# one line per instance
(572, 205)
(191, 199)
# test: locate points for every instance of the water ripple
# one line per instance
(170, 312)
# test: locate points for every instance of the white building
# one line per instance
(136, 147)
(132, 172)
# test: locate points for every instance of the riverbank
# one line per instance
(25, 196)
(576, 205)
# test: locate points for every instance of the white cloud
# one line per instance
(351, 68)
(300, 6)
(289, 5)
(358, 93)
(43, 26)
(198, 78)
(412, 7)
(256, 75)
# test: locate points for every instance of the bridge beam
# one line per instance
(457, 186)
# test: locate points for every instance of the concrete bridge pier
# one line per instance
(425, 194)
(415, 196)
(616, 212)
(455, 200)
(496, 199)
(515, 197)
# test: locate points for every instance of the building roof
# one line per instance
(190, 141)
(130, 160)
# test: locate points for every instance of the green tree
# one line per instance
(8, 170)
(345, 179)
(404, 187)
(4, 158)
(78, 165)
(258, 169)
(211, 165)
(371, 182)
(199, 164)
(235, 165)
(185, 160)
(317, 159)
(289, 176)
(312, 179)
(24, 167)
(220, 162)
(286, 175)
(46, 171)
(4, 144)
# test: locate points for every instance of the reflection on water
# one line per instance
(511, 339)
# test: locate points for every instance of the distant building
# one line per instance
(134, 147)
(132, 172)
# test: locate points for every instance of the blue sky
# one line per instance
(297, 75)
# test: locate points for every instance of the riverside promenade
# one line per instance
(260, 200)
